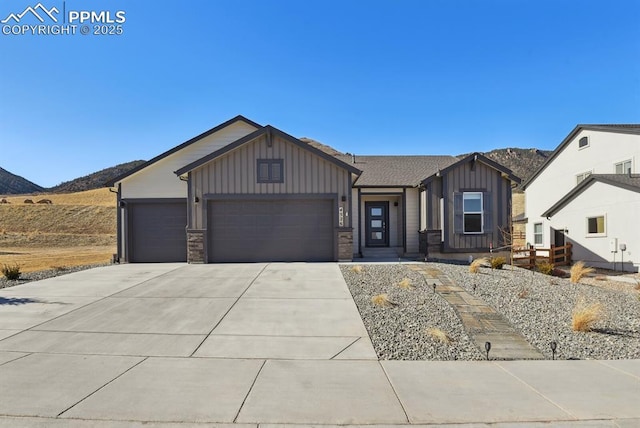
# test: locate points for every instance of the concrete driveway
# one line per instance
(249, 344)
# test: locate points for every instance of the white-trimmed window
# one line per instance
(581, 177)
(537, 234)
(583, 142)
(623, 167)
(472, 212)
(596, 225)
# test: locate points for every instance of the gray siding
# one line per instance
(433, 193)
(483, 179)
(235, 173)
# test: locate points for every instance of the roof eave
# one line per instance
(179, 147)
(258, 133)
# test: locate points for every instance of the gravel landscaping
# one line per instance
(539, 306)
(399, 331)
(44, 274)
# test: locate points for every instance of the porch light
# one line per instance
(343, 198)
(196, 199)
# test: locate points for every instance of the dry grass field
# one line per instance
(77, 229)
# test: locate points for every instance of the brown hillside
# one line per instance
(77, 229)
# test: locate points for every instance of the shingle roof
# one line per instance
(626, 181)
(396, 171)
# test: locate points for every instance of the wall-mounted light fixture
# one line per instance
(343, 198)
(196, 199)
(395, 204)
(123, 204)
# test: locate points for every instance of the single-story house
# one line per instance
(243, 192)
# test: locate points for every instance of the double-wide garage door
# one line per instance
(271, 230)
(157, 232)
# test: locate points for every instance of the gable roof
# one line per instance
(630, 128)
(624, 181)
(161, 156)
(474, 157)
(269, 131)
(395, 171)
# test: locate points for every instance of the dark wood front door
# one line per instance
(558, 237)
(377, 224)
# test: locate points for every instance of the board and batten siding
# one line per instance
(235, 173)
(482, 179)
(432, 196)
(158, 179)
(412, 221)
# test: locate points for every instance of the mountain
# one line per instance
(14, 184)
(523, 162)
(95, 180)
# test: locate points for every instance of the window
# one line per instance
(537, 233)
(624, 167)
(472, 211)
(595, 226)
(583, 142)
(270, 171)
(581, 177)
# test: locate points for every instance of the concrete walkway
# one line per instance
(259, 344)
(480, 320)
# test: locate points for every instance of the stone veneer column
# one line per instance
(345, 245)
(195, 246)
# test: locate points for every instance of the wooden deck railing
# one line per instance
(529, 257)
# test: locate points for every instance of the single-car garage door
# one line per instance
(271, 230)
(157, 232)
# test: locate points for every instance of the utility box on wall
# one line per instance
(613, 245)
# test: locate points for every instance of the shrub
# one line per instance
(59, 268)
(545, 268)
(579, 270)
(477, 264)
(11, 272)
(405, 283)
(382, 300)
(357, 269)
(439, 335)
(523, 293)
(585, 316)
(498, 262)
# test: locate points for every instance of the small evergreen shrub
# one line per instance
(498, 262)
(545, 268)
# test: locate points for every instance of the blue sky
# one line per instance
(374, 77)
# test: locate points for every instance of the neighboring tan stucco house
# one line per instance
(242, 192)
(588, 193)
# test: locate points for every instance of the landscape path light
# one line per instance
(487, 347)
(554, 346)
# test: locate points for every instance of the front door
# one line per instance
(377, 224)
(558, 237)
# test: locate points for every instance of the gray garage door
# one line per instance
(157, 232)
(271, 230)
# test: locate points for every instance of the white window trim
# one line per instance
(588, 142)
(541, 234)
(586, 226)
(615, 165)
(481, 212)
